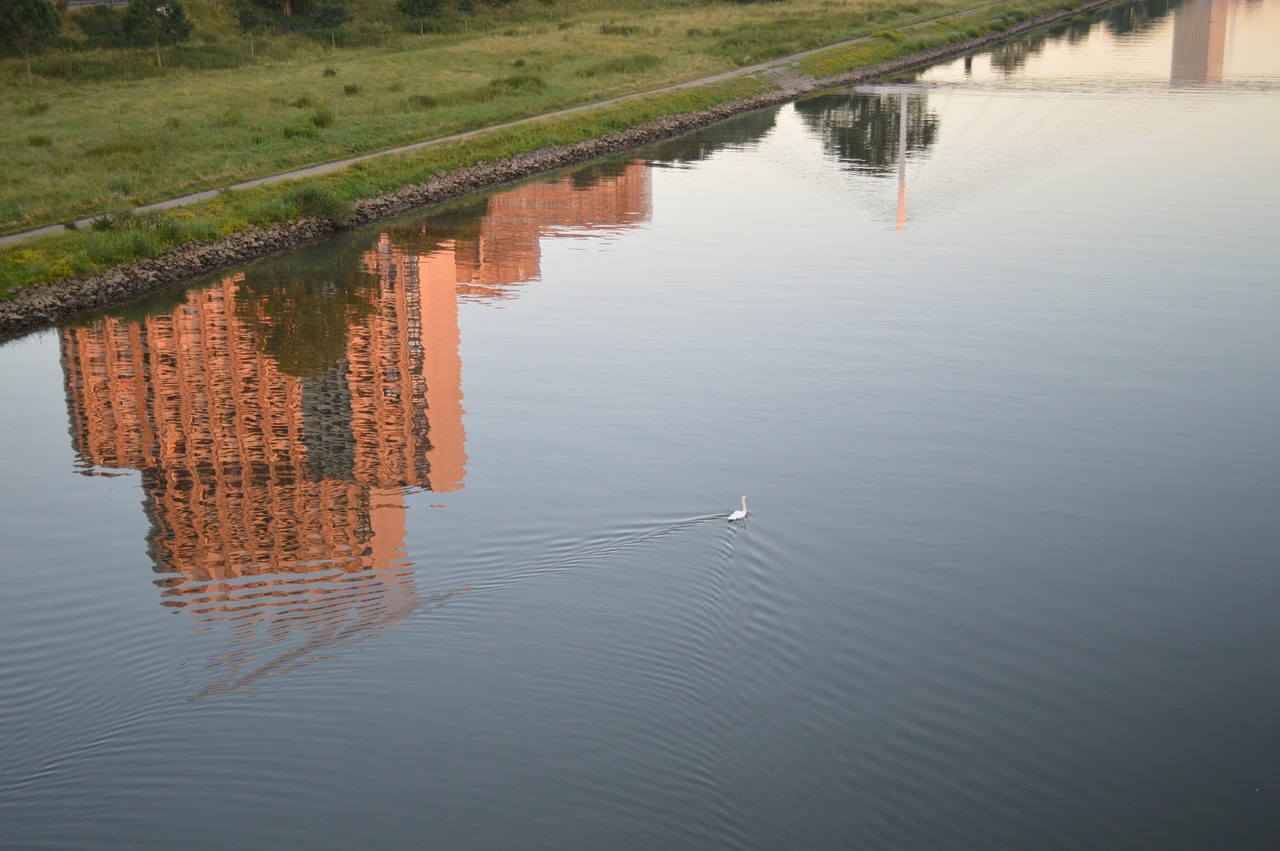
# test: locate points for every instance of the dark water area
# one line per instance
(417, 538)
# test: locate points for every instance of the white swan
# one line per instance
(739, 515)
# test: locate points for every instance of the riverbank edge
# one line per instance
(45, 305)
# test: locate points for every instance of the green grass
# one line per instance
(77, 147)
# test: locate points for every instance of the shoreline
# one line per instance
(45, 305)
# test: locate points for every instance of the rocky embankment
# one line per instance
(45, 305)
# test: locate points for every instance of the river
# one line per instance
(418, 538)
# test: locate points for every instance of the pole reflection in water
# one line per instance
(902, 161)
(279, 417)
(873, 129)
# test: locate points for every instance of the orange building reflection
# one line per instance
(250, 504)
(281, 494)
(505, 249)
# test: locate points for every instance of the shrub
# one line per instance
(318, 202)
(82, 69)
(126, 145)
(518, 83)
(634, 64)
(422, 102)
(331, 72)
(206, 57)
(154, 230)
(351, 89)
(300, 131)
(107, 221)
(322, 117)
(269, 210)
(38, 140)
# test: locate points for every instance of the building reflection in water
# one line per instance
(1199, 41)
(278, 417)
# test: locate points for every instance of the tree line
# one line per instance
(28, 26)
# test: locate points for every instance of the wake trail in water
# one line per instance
(697, 595)
(570, 556)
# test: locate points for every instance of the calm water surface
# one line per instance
(417, 538)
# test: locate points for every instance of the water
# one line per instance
(416, 538)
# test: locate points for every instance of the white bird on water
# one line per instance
(740, 514)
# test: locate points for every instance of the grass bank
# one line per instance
(213, 142)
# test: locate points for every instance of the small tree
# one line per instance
(465, 8)
(251, 19)
(27, 25)
(156, 22)
(331, 14)
(420, 9)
